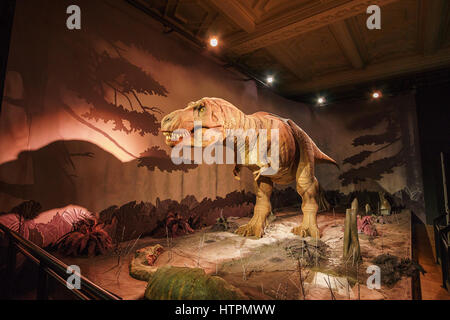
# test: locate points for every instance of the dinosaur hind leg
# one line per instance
(307, 188)
(255, 227)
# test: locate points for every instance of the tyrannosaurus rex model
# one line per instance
(297, 155)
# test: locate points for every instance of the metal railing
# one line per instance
(49, 266)
(441, 238)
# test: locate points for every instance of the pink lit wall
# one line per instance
(81, 112)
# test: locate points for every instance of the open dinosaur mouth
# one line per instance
(175, 137)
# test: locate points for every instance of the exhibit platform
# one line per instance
(271, 267)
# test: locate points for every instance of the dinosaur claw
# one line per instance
(304, 232)
(257, 174)
(248, 230)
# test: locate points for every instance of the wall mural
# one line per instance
(374, 169)
(80, 126)
(91, 66)
(366, 166)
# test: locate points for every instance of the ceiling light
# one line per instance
(376, 94)
(213, 42)
(269, 79)
(321, 100)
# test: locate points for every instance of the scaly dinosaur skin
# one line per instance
(297, 156)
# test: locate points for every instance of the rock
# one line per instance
(179, 283)
(173, 283)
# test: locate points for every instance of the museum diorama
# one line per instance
(225, 150)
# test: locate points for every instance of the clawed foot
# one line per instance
(305, 231)
(251, 229)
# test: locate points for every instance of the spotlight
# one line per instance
(376, 95)
(213, 42)
(321, 100)
(269, 79)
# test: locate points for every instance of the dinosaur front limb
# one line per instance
(255, 227)
(237, 171)
(307, 188)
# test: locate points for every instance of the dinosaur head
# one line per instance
(206, 113)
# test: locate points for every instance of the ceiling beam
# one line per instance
(206, 24)
(299, 22)
(347, 43)
(289, 60)
(371, 72)
(170, 7)
(234, 10)
(433, 17)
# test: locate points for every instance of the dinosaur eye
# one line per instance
(201, 109)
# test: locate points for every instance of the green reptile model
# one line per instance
(298, 155)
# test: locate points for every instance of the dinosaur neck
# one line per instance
(240, 121)
(251, 122)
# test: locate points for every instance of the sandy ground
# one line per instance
(265, 268)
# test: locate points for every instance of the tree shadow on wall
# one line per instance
(59, 171)
(375, 169)
(155, 157)
(93, 64)
(53, 173)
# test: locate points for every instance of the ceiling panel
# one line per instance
(316, 53)
(317, 44)
(398, 36)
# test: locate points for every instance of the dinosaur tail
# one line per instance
(306, 142)
(321, 157)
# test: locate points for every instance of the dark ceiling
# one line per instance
(313, 47)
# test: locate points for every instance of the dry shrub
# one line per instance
(88, 237)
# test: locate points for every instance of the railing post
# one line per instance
(42, 287)
(11, 267)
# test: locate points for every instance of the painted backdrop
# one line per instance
(80, 119)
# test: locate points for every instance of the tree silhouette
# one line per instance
(125, 79)
(392, 134)
(90, 63)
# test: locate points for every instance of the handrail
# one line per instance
(441, 231)
(438, 224)
(50, 265)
